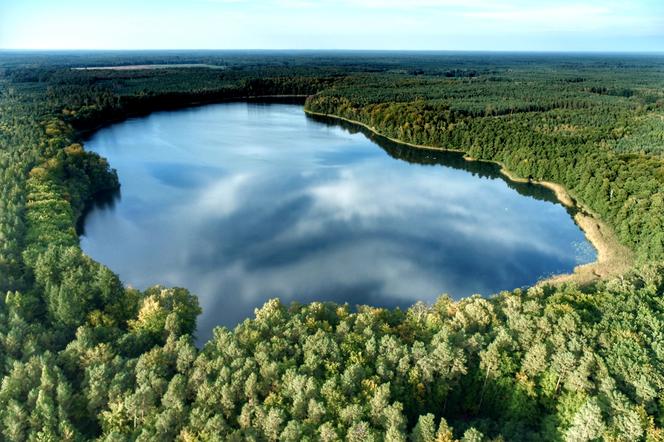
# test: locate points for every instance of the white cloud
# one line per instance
(414, 4)
(336, 24)
(223, 198)
(571, 17)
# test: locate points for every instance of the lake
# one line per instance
(243, 202)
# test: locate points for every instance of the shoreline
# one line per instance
(85, 130)
(613, 258)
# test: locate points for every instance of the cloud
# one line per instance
(222, 198)
(336, 24)
(565, 17)
(414, 4)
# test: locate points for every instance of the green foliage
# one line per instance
(547, 130)
(172, 311)
(84, 357)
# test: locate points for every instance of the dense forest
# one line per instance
(85, 357)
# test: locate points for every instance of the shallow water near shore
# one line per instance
(242, 202)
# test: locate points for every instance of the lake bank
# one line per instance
(241, 202)
(613, 258)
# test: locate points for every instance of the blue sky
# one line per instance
(547, 25)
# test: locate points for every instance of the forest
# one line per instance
(85, 357)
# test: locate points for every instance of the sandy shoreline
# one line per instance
(613, 258)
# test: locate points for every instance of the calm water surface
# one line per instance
(243, 202)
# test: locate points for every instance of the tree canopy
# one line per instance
(86, 357)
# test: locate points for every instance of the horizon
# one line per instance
(345, 25)
(336, 50)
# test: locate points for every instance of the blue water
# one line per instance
(243, 202)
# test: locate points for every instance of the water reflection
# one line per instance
(454, 160)
(243, 202)
(103, 201)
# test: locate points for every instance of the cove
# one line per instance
(243, 202)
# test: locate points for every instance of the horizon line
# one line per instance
(524, 51)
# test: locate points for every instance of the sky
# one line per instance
(510, 25)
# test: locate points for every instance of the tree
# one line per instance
(587, 424)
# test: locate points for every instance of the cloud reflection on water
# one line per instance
(247, 202)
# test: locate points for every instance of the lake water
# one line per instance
(243, 202)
